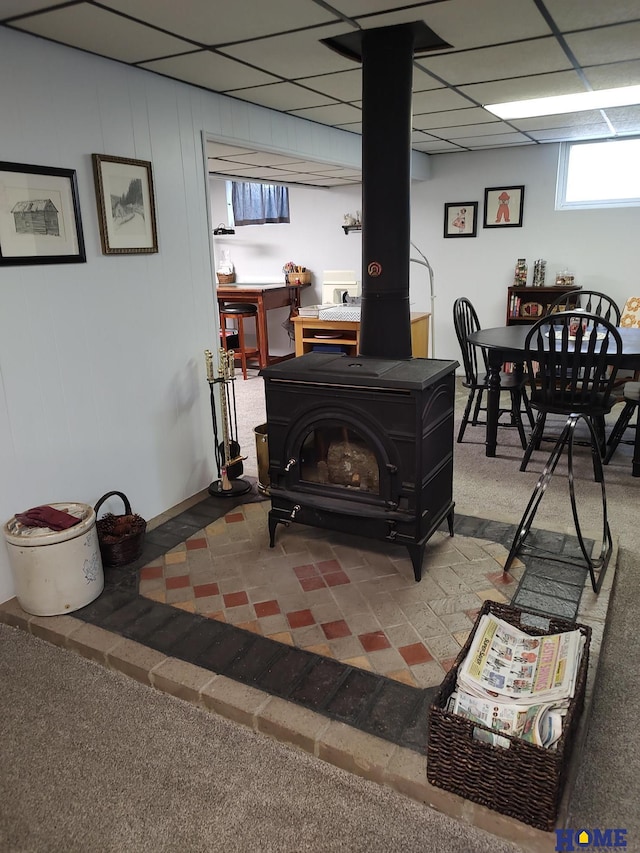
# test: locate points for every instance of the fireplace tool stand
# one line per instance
(227, 452)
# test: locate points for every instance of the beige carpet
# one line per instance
(93, 761)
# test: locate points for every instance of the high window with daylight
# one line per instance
(598, 174)
(259, 204)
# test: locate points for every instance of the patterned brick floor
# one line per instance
(339, 596)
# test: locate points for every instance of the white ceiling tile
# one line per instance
(452, 118)
(9, 8)
(210, 70)
(436, 100)
(282, 96)
(469, 23)
(94, 29)
(352, 127)
(492, 128)
(583, 119)
(345, 85)
(300, 55)
(422, 80)
(537, 86)
(620, 42)
(558, 134)
(579, 14)
(624, 119)
(436, 146)
(493, 141)
(338, 114)
(614, 75)
(219, 22)
(497, 63)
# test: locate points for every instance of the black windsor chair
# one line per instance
(571, 375)
(591, 301)
(474, 359)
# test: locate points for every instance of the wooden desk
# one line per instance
(266, 297)
(307, 327)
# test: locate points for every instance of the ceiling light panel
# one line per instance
(209, 70)
(94, 29)
(600, 99)
(219, 23)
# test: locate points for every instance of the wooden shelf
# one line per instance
(543, 296)
(307, 327)
(349, 228)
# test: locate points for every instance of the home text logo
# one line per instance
(590, 839)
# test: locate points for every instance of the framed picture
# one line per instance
(126, 205)
(503, 207)
(461, 219)
(39, 216)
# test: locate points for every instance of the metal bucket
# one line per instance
(262, 454)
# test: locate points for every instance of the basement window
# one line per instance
(257, 203)
(598, 174)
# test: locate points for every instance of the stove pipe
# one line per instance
(387, 73)
(386, 54)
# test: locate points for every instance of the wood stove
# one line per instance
(365, 445)
(362, 446)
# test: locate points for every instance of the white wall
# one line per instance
(102, 379)
(598, 246)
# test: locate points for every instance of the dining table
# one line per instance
(266, 297)
(505, 344)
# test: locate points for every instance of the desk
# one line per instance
(266, 297)
(506, 343)
(307, 327)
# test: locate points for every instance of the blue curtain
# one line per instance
(257, 204)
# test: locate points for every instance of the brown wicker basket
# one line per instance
(298, 278)
(121, 537)
(525, 781)
(226, 277)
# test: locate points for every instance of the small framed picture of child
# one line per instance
(461, 219)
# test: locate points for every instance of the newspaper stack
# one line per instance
(516, 683)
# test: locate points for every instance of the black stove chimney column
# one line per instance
(387, 74)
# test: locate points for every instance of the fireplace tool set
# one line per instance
(227, 451)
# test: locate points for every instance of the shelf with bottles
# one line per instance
(525, 304)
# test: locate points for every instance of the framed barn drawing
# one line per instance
(39, 216)
(126, 205)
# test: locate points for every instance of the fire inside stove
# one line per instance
(339, 456)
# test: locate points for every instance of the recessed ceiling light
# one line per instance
(567, 103)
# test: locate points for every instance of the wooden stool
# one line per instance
(238, 312)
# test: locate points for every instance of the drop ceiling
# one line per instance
(270, 53)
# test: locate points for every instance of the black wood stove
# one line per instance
(364, 444)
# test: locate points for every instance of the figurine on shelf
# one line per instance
(349, 220)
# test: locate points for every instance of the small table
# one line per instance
(506, 343)
(346, 333)
(266, 297)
